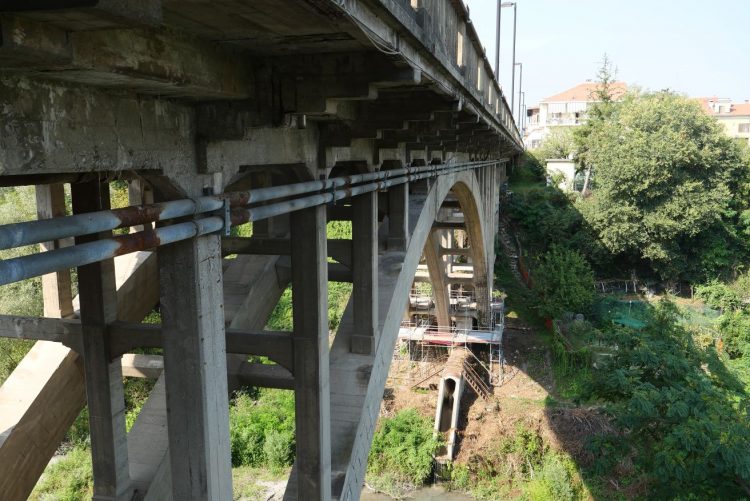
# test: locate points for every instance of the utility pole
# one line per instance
(500, 6)
(513, 83)
(520, 87)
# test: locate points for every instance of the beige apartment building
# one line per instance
(735, 117)
(566, 109)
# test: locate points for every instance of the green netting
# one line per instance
(628, 313)
(634, 313)
(701, 316)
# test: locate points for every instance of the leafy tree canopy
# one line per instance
(558, 143)
(669, 186)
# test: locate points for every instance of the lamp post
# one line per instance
(522, 109)
(500, 6)
(520, 87)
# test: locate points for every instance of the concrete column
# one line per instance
(398, 217)
(58, 298)
(195, 369)
(311, 353)
(104, 389)
(139, 193)
(436, 270)
(365, 272)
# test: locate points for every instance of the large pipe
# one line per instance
(34, 265)
(34, 232)
(21, 268)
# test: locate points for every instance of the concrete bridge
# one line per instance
(286, 114)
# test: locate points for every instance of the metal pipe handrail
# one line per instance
(45, 230)
(21, 268)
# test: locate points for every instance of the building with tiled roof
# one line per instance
(735, 117)
(566, 109)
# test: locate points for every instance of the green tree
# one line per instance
(669, 187)
(558, 143)
(600, 110)
(564, 281)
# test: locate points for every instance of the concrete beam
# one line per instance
(56, 287)
(239, 371)
(51, 377)
(338, 249)
(455, 251)
(88, 14)
(158, 62)
(398, 217)
(77, 129)
(437, 277)
(437, 225)
(30, 45)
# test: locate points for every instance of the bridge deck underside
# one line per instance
(189, 98)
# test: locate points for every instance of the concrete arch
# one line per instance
(436, 270)
(476, 230)
(357, 382)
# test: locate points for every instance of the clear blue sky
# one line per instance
(695, 47)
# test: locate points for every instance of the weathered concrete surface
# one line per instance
(53, 127)
(198, 92)
(252, 288)
(358, 382)
(44, 395)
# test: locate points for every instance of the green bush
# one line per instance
(262, 431)
(529, 169)
(564, 282)
(404, 447)
(279, 448)
(718, 295)
(734, 327)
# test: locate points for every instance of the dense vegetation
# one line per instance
(678, 405)
(666, 203)
(402, 452)
(670, 189)
(564, 282)
(520, 464)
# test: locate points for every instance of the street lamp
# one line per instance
(500, 6)
(523, 111)
(520, 87)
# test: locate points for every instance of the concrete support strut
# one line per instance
(104, 389)
(365, 272)
(311, 372)
(195, 369)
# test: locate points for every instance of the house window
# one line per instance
(744, 128)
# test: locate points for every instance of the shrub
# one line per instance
(404, 446)
(734, 327)
(262, 431)
(278, 448)
(564, 281)
(718, 295)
